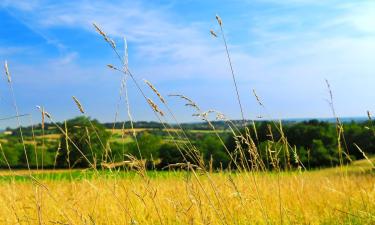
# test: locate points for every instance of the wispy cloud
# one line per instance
(154, 29)
(287, 47)
(28, 5)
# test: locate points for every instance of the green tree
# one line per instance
(10, 155)
(169, 154)
(212, 148)
(320, 155)
(90, 140)
(148, 144)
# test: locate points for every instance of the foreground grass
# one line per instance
(333, 196)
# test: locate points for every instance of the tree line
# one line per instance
(88, 143)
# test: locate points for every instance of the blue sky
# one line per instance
(283, 49)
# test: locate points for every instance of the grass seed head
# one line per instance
(219, 21)
(7, 72)
(155, 107)
(213, 33)
(44, 114)
(99, 30)
(155, 90)
(126, 54)
(257, 98)
(189, 101)
(369, 115)
(105, 36)
(113, 43)
(78, 105)
(47, 115)
(41, 109)
(111, 67)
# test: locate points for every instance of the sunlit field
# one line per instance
(333, 196)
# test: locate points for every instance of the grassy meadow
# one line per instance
(332, 196)
(102, 175)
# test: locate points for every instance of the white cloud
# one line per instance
(288, 53)
(26, 5)
(155, 36)
(141, 25)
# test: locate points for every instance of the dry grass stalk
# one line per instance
(47, 115)
(219, 21)
(17, 112)
(41, 109)
(106, 38)
(365, 156)
(112, 165)
(257, 98)
(126, 55)
(111, 67)
(204, 116)
(79, 105)
(183, 166)
(371, 123)
(339, 129)
(155, 90)
(7, 72)
(213, 33)
(126, 71)
(190, 102)
(155, 107)
(99, 30)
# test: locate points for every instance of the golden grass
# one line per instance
(307, 198)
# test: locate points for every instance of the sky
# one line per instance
(283, 49)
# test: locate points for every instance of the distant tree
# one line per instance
(212, 148)
(148, 144)
(10, 154)
(169, 154)
(118, 151)
(363, 136)
(320, 155)
(90, 141)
